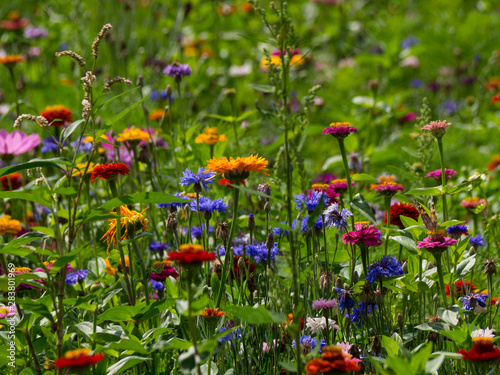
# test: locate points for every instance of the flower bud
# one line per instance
(207, 215)
(436, 298)
(355, 277)
(267, 207)
(172, 221)
(169, 91)
(472, 250)
(95, 286)
(230, 93)
(251, 222)
(270, 241)
(197, 188)
(338, 283)
(140, 81)
(400, 320)
(346, 286)
(489, 267)
(405, 267)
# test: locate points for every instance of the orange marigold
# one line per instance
(57, 112)
(9, 225)
(210, 136)
(11, 60)
(239, 168)
(157, 114)
(131, 221)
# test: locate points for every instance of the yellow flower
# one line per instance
(131, 221)
(320, 187)
(190, 248)
(133, 134)
(210, 137)
(239, 168)
(22, 269)
(80, 168)
(8, 225)
(296, 60)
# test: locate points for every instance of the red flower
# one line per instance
(482, 351)
(12, 181)
(57, 112)
(227, 183)
(401, 209)
(289, 318)
(106, 171)
(165, 272)
(191, 254)
(78, 358)
(496, 98)
(461, 291)
(239, 272)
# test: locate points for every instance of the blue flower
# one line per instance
(311, 200)
(85, 147)
(473, 300)
(157, 285)
(387, 267)
(409, 42)
(457, 230)
(201, 179)
(345, 299)
(277, 231)
(476, 241)
(415, 82)
(76, 276)
(336, 218)
(238, 250)
(160, 95)
(449, 106)
(174, 204)
(158, 246)
(358, 313)
(196, 231)
(307, 344)
(208, 205)
(220, 251)
(229, 336)
(259, 252)
(50, 144)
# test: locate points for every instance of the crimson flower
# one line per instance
(106, 171)
(78, 359)
(401, 209)
(482, 351)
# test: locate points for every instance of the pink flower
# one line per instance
(345, 346)
(17, 142)
(410, 61)
(340, 130)
(324, 304)
(389, 188)
(7, 312)
(448, 173)
(437, 128)
(436, 242)
(368, 235)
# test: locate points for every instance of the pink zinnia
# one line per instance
(437, 128)
(324, 304)
(17, 142)
(473, 203)
(389, 188)
(340, 130)
(436, 242)
(448, 173)
(368, 235)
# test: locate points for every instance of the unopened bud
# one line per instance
(95, 286)
(400, 319)
(270, 241)
(355, 277)
(197, 188)
(169, 91)
(338, 283)
(241, 264)
(405, 267)
(267, 207)
(207, 215)
(251, 222)
(435, 298)
(489, 267)
(472, 251)
(140, 81)
(346, 286)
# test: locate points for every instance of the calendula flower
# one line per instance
(210, 136)
(191, 254)
(11, 60)
(494, 163)
(131, 222)
(133, 134)
(401, 209)
(111, 170)
(11, 181)
(340, 130)
(210, 313)
(78, 359)
(158, 114)
(9, 225)
(57, 115)
(239, 168)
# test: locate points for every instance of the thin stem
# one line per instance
(388, 208)
(439, 266)
(443, 178)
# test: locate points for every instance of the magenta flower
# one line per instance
(340, 130)
(448, 173)
(324, 304)
(17, 142)
(369, 235)
(437, 128)
(389, 188)
(436, 243)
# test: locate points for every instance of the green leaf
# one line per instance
(449, 316)
(362, 177)
(35, 163)
(64, 260)
(361, 205)
(465, 266)
(69, 191)
(125, 112)
(154, 309)
(427, 191)
(146, 198)
(433, 365)
(22, 195)
(125, 363)
(407, 243)
(268, 89)
(390, 345)
(245, 115)
(250, 315)
(20, 241)
(119, 313)
(222, 118)
(434, 327)
(36, 307)
(459, 337)
(115, 97)
(128, 344)
(250, 191)
(137, 237)
(66, 133)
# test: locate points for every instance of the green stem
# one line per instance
(439, 266)
(388, 208)
(190, 318)
(443, 178)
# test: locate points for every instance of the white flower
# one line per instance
(488, 332)
(345, 346)
(319, 324)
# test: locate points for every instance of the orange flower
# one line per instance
(494, 163)
(496, 98)
(9, 225)
(333, 359)
(212, 313)
(131, 221)
(12, 181)
(239, 168)
(492, 84)
(210, 137)
(11, 60)
(157, 114)
(133, 134)
(57, 112)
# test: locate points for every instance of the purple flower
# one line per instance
(340, 130)
(476, 241)
(409, 42)
(415, 82)
(307, 344)
(369, 235)
(436, 243)
(457, 231)
(158, 285)
(324, 178)
(387, 267)
(324, 304)
(199, 180)
(209, 205)
(334, 217)
(345, 299)
(33, 32)
(473, 301)
(76, 276)
(177, 71)
(158, 246)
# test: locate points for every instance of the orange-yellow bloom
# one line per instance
(210, 136)
(9, 225)
(133, 134)
(11, 60)
(131, 222)
(239, 168)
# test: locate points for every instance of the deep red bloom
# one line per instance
(228, 183)
(462, 290)
(165, 272)
(57, 112)
(191, 254)
(496, 98)
(78, 358)
(240, 273)
(482, 351)
(401, 209)
(106, 171)
(12, 181)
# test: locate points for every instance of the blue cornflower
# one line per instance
(85, 147)
(358, 313)
(259, 252)
(196, 232)
(307, 344)
(322, 344)
(415, 82)
(457, 230)
(209, 205)
(177, 71)
(50, 144)
(277, 231)
(311, 200)
(238, 249)
(199, 180)
(472, 301)
(449, 106)
(304, 228)
(76, 276)
(345, 299)
(229, 336)
(476, 241)
(157, 285)
(387, 267)
(174, 204)
(335, 217)
(158, 246)
(409, 42)
(220, 250)
(160, 95)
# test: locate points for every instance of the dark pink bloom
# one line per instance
(448, 173)
(437, 128)
(324, 304)
(165, 272)
(389, 188)
(369, 235)
(340, 130)
(437, 242)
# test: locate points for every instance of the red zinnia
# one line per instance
(482, 351)
(12, 181)
(238, 272)
(78, 359)
(191, 254)
(462, 290)
(106, 171)
(57, 112)
(401, 209)
(227, 183)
